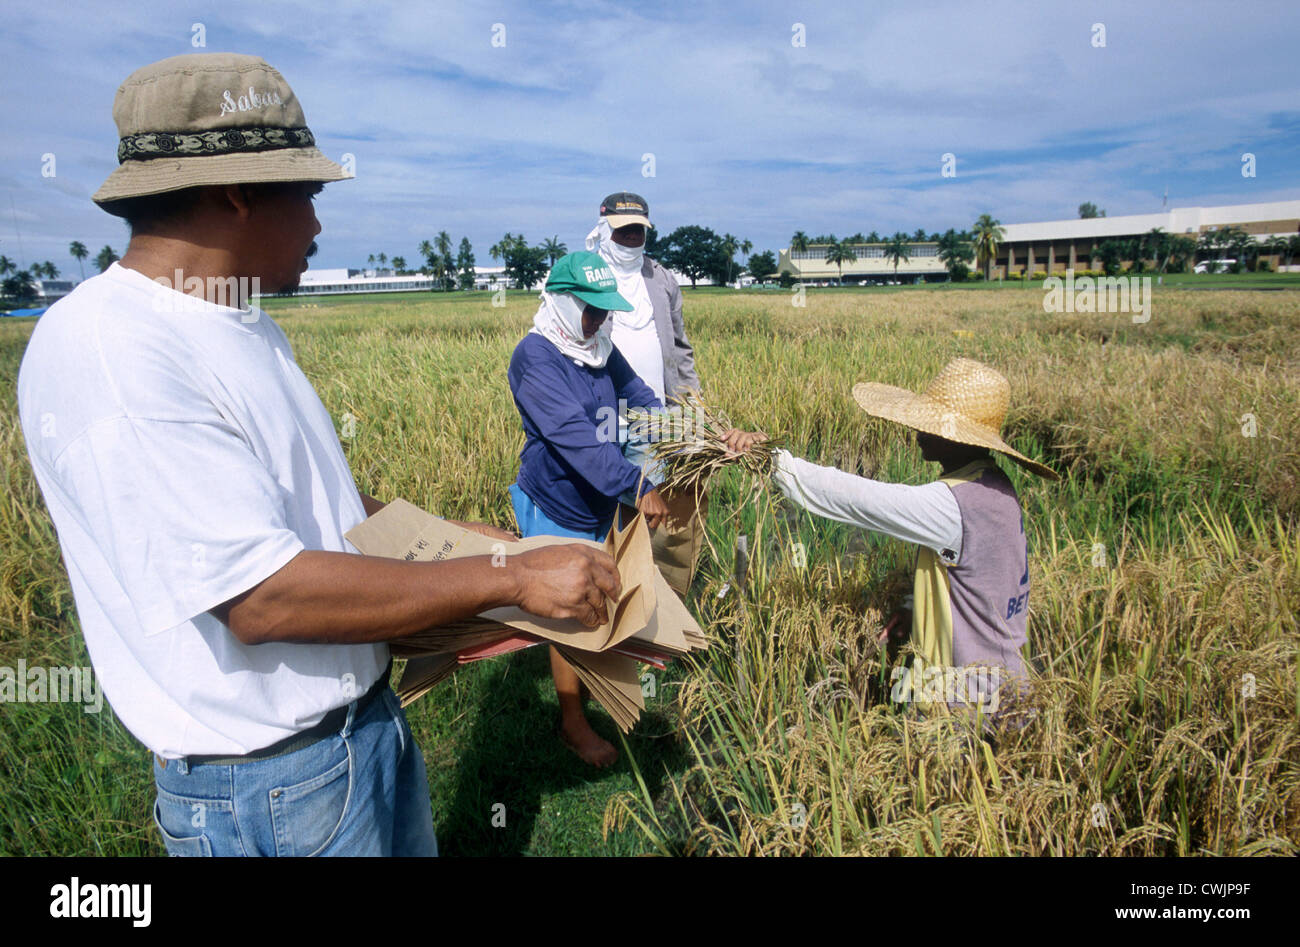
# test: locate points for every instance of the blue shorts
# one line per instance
(360, 791)
(533, 522)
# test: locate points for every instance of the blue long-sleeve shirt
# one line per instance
(572, 465)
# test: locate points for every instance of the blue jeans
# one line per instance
(360, 791)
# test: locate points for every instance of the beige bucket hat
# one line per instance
(967, 403)
(209, 118)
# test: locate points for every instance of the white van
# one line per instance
(1220, 266)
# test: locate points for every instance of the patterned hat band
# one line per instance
(229, 141)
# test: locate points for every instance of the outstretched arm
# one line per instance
(927, 515)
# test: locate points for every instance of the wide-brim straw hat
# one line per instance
(205, 119)
(967, 403)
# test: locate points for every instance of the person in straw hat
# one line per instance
(971, 588)
(201, 496)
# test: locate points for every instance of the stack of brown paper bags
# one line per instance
(648, 623)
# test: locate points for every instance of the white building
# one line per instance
(332, 282)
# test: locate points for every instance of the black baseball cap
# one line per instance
(625, 208)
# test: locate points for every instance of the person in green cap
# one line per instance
(568, 380)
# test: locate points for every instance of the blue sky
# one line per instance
(750, 134)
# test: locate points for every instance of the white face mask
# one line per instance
(624, 259)
(621, 256)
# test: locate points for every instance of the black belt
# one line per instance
(330, 724)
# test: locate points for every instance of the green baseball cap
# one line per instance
(587, 276)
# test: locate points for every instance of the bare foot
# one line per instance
(590, 747)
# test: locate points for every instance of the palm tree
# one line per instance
(799, 242)
(1181, 249)
(105, 258)
(6, 265)
(988, 236)
(873, 237)
(78, 251)
(443, 244)
(1158, 244)
(436, 266)
(49, 270)
(1244, 247)
(745, 247)
(729, 245)
(399, 264)
(839, 254)
(19, 286)
(898, 248)
(919, 236)
(553, 249)
(954, 251)
(383, 260)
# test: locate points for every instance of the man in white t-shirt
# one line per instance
(201, 496)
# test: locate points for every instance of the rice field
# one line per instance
(1165, 570)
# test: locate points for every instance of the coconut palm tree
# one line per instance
(1158, 244)
(1181, 250)
(1244, 247)
(840, 253)
(988, 236)
(106, 258)
(78, 251)
(442, 243)
(954, 251)
(6, 265)
(553, 249)
(729, 245)
(399, 264)
(898, 248)
(799, 242)
(19, 286)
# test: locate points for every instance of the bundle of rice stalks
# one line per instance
(685, 441)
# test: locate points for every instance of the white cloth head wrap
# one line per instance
(626, 264)
(559, 320)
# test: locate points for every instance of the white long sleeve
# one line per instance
(927, 515)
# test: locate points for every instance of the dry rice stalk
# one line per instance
(687, 440)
